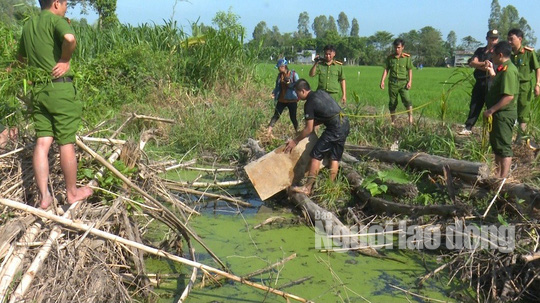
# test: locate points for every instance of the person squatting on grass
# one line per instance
(331, 76)
(479, 62)
(320, 108)
(524, 58)
(501, 106)
(284, 94)
(46, 45)
(399, 66)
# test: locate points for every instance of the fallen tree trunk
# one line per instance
(466, 170)
(330, 224)
(379, 205)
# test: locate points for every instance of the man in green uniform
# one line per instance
(501, 106)
(524, 58)
(46, 45)
(330, 72)
(399, 66)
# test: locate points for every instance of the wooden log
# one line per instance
(148, 249)
(277, 170)
(379, 205)
(330, 223)
(466, 170)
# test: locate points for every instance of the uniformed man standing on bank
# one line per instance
(46, 46)
(501, 106)
(524, 58)
(399, 66)
(330, 72)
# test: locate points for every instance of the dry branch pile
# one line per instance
(96, 251)
(495, 274)
(64, 265)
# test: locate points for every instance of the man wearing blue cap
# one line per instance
(284, 94)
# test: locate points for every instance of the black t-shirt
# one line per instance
(482, 56)
(323, 108)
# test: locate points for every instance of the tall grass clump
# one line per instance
(218, 127)
(12, 84)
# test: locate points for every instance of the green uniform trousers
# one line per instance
(335, 96)
(56, 111)
(524, 102)
(398, 87)
(500, 136)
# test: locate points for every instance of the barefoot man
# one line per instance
(321, 108)
(46, 46)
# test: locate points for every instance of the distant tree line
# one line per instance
(426, 45)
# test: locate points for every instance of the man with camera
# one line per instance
(330, 72)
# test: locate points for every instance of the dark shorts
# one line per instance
(56, 111)
(332, 142)
(500, 136)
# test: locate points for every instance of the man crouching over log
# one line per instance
(320, 108)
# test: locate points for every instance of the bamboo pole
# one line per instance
(174, 186)
(255, 273)
(146, 195)
(207, 184)
(12, 152)
(103, 140)
(38, 261)
(148, 249)
(532, 257)
(192, 280)
(211, 170)
(14, 263)
(144, 117)
(181, 165)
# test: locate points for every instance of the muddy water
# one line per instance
(334, 277)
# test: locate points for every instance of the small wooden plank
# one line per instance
(277, 170)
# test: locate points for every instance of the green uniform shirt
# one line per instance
(41, 41)
(526, 62)
(398, 67)
(505, 83)
(330, 76)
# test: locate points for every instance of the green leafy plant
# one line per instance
(393, 175)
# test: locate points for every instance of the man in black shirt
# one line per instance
(320, 108)
(478, 96)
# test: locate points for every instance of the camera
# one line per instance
(319, 59)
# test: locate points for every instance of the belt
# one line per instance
(63, 79)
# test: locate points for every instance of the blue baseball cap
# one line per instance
(281, 62)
